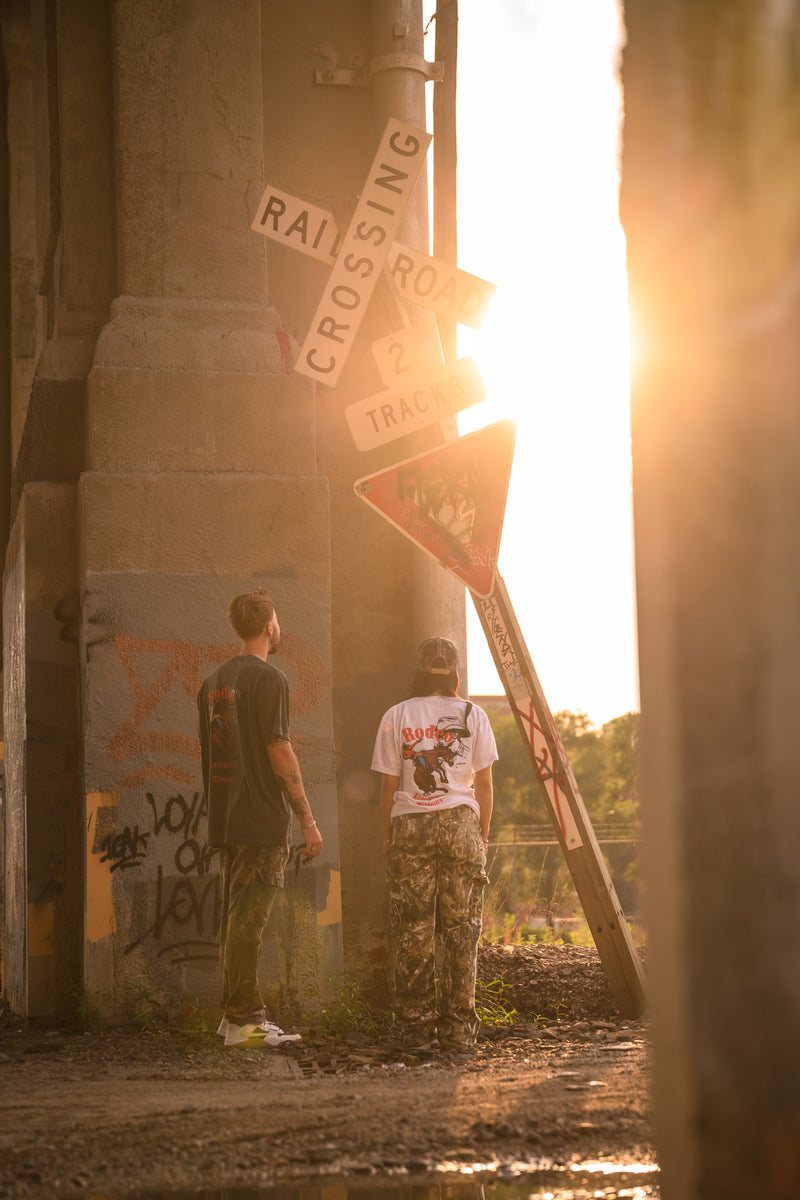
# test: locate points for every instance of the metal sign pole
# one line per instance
(573, 828)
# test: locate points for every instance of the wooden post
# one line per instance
(576, 837)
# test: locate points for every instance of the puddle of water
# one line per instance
(453, 1181)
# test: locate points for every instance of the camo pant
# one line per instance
(252, 876)
(436, 880)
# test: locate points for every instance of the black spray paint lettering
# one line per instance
(184, 906)
(180, 815)
(124, 849)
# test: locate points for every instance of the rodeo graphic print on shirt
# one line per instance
(430, 752)
(432, 746)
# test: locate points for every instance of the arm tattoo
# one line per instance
(287, 781)
(299, 806)
(292, 788)
(291, 782)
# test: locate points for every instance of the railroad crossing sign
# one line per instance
(417, 277)
(451, 501)
(415, 398)
(363, 252)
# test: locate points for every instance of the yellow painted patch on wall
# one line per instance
(99, 903)
(332, 912)
(41, 928)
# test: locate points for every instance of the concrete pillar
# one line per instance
(24, 262)
(710, 197)
(61, 260)
(42, 912)
(198, 463)
(202, 482)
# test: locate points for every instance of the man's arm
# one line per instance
(484, 794)
(389, 785)
(283, 761)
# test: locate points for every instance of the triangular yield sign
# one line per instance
(451, 501)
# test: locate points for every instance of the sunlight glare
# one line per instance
(538, 126)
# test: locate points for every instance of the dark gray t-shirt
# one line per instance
(241, 707)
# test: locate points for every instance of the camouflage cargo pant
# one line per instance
(436, 879)
(252, 876)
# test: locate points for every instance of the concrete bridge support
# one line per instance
(710, 203)
(168, 457)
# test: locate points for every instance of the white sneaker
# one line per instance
(262, 1034)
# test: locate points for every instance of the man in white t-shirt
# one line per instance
(435, 753)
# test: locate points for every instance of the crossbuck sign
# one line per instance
(363, 252)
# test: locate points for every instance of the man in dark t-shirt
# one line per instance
(252, 783)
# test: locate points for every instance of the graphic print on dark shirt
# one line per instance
(243, 706)
(224, 726)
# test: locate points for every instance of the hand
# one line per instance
(313, 841)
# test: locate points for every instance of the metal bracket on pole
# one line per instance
(406, 60)
(354, 74)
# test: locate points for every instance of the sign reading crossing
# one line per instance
(363, 252)
(451, 501)
(428, 282)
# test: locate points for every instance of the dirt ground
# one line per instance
(118, 1112)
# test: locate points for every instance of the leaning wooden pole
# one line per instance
(573, 828)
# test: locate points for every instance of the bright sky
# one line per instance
(538, 113)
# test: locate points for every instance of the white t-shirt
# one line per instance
(434, 744)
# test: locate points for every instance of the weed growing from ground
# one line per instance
(89, 1011)
(490, 1006)
(349, 1014)
(145, 1011)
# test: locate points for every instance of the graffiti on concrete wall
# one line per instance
(160, 849)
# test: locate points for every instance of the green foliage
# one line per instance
(349, 1014)
(490, 1006)
(603, 760)
(529, 880)
(89, 1013)
(562, 1009)
(192, 1021)
(605, 764)
(145, 1011)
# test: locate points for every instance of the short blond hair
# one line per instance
(250, 612)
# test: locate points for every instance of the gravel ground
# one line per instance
(116, 1113)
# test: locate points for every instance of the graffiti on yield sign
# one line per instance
(451, 501)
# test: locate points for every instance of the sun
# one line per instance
(538, 217)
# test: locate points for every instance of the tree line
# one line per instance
(529, 883)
